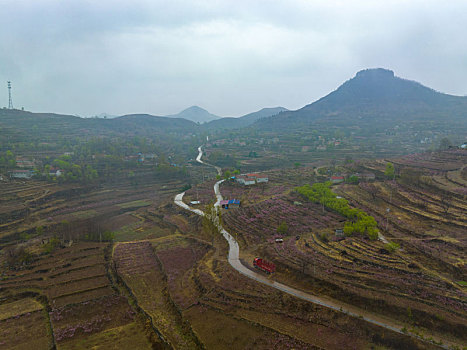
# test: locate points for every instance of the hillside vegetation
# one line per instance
(361, 222)
(94, 253)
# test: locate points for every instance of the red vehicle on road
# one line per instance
(264, 265)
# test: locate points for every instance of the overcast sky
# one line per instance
(229, 57)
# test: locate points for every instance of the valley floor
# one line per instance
(164, 280)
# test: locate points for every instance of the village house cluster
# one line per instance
(26, 166)
(28, 169)
(245, 180)
(230, 203)
(251, 179)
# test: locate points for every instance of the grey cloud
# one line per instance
(230, 57)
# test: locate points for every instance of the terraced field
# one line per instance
(25, 205)
(405, 284)
(225, 308)
(25, 330)
(359, 267)
(434, 161)
(74, 285)
(427, 211)
(69, 275)
(165, 282)
(141, 272)
(258, 223)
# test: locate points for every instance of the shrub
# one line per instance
(323, 236)
(282, 228)
(353, 179)
(321, 193)
(17, 256)
(389, 172)
(186, 187)
(373, 233)
(53, 243)
(106, 236)
(391, 246)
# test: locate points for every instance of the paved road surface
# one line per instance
(198, 159)
(234, 260)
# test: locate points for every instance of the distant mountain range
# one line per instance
(195, 114)
(211, 121)
(149, 123)
(373, 98)
(246, 120)
(16, 124)
(23, 123)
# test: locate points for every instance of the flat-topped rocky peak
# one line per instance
(375, 73)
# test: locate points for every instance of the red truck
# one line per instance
(264, 265)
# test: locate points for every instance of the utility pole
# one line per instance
(10, 101)
(394, 181)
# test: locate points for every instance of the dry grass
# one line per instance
(134, 204)
(19, 307)
(129, 336)
(139, 268)
(25, 332)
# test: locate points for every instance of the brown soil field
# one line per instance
(25, 205)
(19, 307)
(25, 331)
(128, 336)
(164, 282)
(73, 323)
(418, 284)
(140, 270)
(85, 308)
(224, 307)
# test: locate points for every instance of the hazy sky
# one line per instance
(230, 57)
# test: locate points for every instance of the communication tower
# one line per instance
(10, 101)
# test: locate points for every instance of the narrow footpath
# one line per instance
(234, 260)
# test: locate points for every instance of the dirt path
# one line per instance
(234, 260)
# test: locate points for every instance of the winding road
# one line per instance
(234, 260)
(198, 159)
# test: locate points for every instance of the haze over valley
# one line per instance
(211, 175)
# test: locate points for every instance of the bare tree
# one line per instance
(373, 190)
(211, 221)
(445, 144)
(304, 261)
(303, 264)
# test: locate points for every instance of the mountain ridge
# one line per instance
(371, 97)
(245, 120)
(377, 92)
